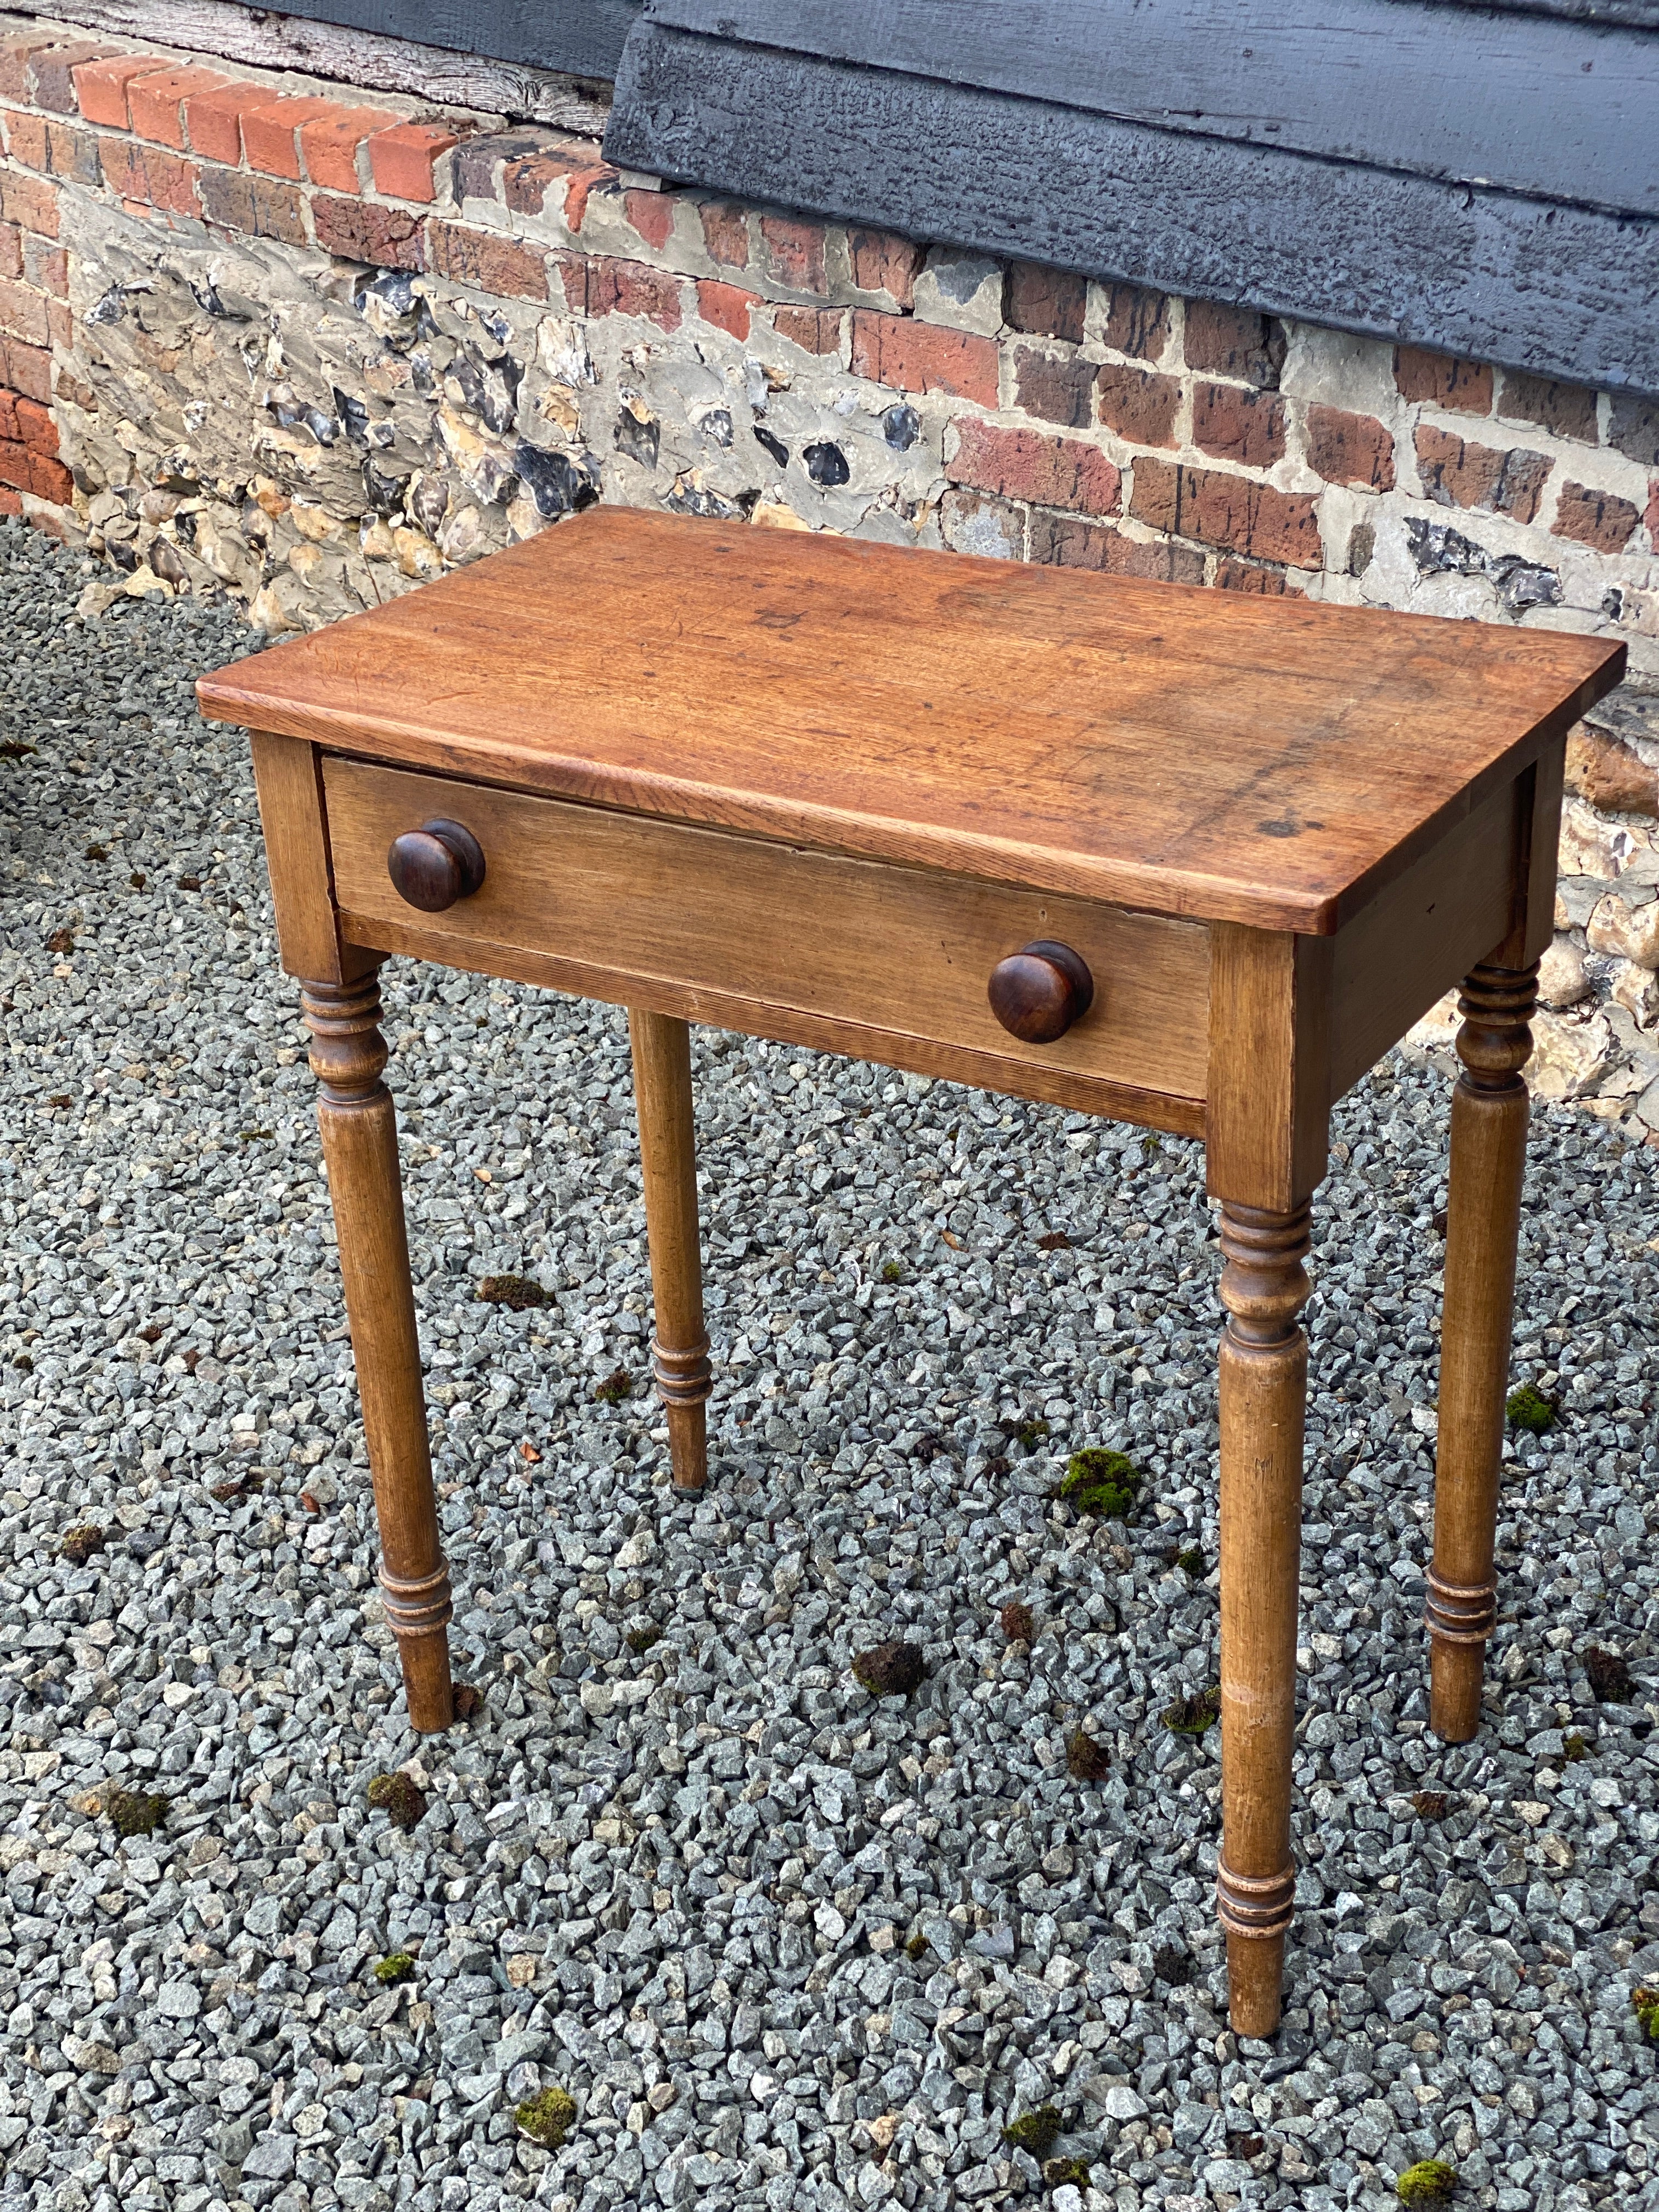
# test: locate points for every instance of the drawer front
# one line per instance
(609, 899)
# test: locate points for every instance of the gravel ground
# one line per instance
(783, 1944)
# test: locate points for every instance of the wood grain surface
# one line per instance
(1459, 97)
(1187, 751)
(1540, 284)
(895, 950)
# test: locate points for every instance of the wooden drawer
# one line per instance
(885, 963)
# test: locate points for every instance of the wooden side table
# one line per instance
(1185, 858)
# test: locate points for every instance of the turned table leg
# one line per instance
(360, 1145)
(1264, 1381)
(679, 1349)
(1490, 1112)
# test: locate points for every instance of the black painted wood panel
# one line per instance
(1570, 293)
(581, 37)
(1540, 106)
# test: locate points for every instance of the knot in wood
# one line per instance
(1495, 1042)
(348, 1052)
(1264, 1285)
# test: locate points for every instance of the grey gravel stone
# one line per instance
(783, 1944)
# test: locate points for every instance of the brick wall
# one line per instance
(310, 347)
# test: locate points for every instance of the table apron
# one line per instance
(883, 963)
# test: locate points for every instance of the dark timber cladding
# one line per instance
(583, 37)
(1483, 183)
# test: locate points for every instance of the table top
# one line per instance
(1186, 750)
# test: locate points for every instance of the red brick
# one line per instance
(814, 329)
(1137, 321)
(1350, 449)
(726, 234)
(1049, 303)
(10, 503)
(25, 139)
(652, 215)
(52, 71)
(486, 260)
(27, 368)
(260, 207)
(1456, 474)
(1464, 386)
(1232, 575)
(881, 262)
(474, 171)
(100, 88)
(1061, 541)
(213, 120)
(271, 134)
(23, 314)
(11, 250)
(912, 357)
(32, 205)
(35, 426)
(14, 460)
(633, 288)
(1138, 403)
(1030, 465)
(357, 230)
(1568, 409)
(46, 266)
(1227, 341)
(728, 306)
(151, 176)
(1060, 387)
(15, 55)
(60, 321)
(1233, 511)
(1594, 518)
(155, 102)
(329, 144)
(524, 180)
(792, 252)
(51, 480)
(402, 159)
(72, 154)
(9, 431)
(1239, 423)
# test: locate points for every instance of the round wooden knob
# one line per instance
(1039, 991)
(435, 865)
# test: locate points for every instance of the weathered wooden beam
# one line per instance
(1395, 84)
(560, 93)
(1568, 291)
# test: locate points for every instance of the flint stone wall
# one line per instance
(310, 348)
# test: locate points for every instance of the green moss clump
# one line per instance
(518, 1292)
(1101, 1481)
(1574, 1746)
(1031, 1433)
(1192, 1716)
(615, 1387)
(136, 1812)
(1058, 2171)
(640, 1640)
(398, 1798)
(916, 1947)
(1529, 1409)
(1645, 2003)
(1430, 2181)
(396, 1966)
(1034, 2132)
(1085, 1759)
(546, 2116)
(891, 1272)
(1192, 1563)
